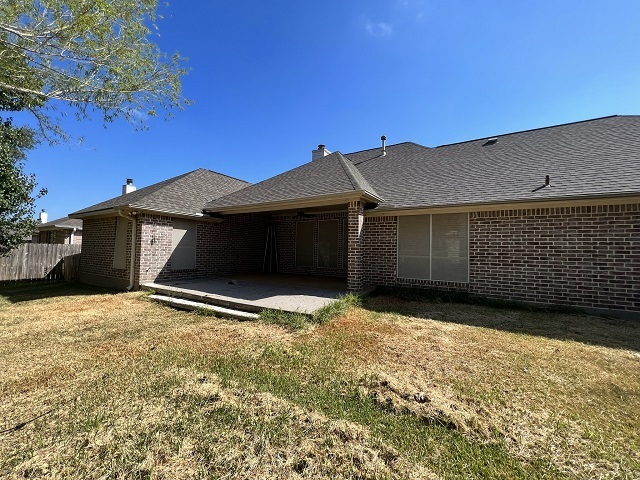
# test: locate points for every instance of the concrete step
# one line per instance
(185, 304)
(201, 297)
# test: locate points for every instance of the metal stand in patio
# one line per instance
(270, 251)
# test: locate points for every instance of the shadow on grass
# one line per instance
(557, 322)
(26, 291)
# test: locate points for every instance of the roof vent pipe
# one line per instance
(547, 181)
(128, 187)
(384, 144)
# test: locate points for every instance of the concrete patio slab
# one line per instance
(253, 293)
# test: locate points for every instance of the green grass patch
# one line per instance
(308, 377)
(338, 307)
(298, 321)
(290, 320)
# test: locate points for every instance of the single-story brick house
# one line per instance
(550, 215)
(62, 231)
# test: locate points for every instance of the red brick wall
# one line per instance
(380, 250)
(154, 247)
(235, 245)
(99, 237)
(584, 256)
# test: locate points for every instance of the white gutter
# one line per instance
(132, 264)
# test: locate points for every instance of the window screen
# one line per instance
(183, 255)
(450, 247)
(413, 247)
(120, 247)
(328, 241)
(304, 244)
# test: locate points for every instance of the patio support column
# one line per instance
(355, 222)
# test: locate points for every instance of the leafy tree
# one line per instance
(16, 187)
(95, 55)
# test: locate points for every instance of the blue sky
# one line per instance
(272, 80)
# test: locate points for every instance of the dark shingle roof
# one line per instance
(330, 175)
(185, 194)
(64, 222)
(599, 157)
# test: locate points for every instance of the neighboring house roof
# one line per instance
(328, 176)
(182, 195)
(61, 223)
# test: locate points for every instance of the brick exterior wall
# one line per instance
(235, 245)
(59, 237)
(355, 255)
(584, 256)
(98, 249)
(380, 236)
(286, 239)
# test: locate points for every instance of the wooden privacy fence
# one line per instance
(41, 261)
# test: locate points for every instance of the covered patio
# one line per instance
(256, 292)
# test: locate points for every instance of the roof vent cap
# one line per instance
(490, 141)
(384, 144)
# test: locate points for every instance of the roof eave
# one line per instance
(142, 209)
(573, 201)
(299, 203)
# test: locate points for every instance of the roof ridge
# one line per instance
(223, 175)
(350, 176)
(379, 148)
(349, 168)
(533, 130)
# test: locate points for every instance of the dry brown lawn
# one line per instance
(130, 389)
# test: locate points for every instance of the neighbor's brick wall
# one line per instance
(584, 256)
(286, 239)
(98, 248)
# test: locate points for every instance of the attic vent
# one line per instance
(490, 141)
